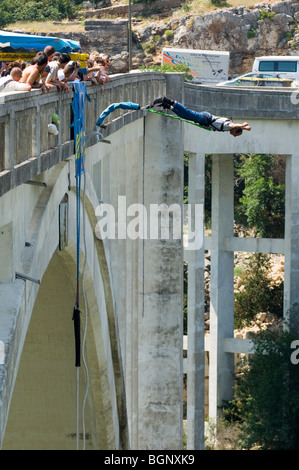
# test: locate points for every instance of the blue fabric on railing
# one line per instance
(78, 106)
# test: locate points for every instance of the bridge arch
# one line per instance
(52, 303)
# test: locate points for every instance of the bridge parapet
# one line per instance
(246, 103)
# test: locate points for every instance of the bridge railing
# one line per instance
(26, 147)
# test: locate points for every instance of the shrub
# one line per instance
(251, 33)
(143, 1)
(258, 294)
(219, 3)
(266, 402)
(186, 7)
(267, 14)
(164, 68)
(287, 35)
(149, 47)
(263, 201)
(168, 34)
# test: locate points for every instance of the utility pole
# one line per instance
(130, 36)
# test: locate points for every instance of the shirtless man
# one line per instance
(33, 72)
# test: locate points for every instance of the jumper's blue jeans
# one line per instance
(204, 118)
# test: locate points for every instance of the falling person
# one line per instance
(204, 118)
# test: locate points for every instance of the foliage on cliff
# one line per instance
(266, 403)
(12, 11)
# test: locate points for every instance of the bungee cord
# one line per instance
(79, 131)
(177, 117)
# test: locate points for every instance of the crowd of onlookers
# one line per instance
(51, 69)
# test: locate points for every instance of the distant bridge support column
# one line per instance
(222, 285)
(291, 274)
(160, 322)
(195, 256)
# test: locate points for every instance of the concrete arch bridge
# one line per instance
(128, 391)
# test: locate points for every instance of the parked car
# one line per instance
(258, 79)
(286, 66)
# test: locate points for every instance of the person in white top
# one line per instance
(70, 71)
(59, 60)
(11, 82)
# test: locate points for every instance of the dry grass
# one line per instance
(46, 26)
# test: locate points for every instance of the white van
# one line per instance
(286, 66)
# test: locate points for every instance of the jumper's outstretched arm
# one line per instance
(237, 129)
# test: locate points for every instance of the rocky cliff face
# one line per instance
(267, 29)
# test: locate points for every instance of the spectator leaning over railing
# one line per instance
(97, 66)
(106, 59)
(33, 72)
(101, 75)
(21, 64)
(50, 51)
(11, 82)
(59, 60)
(69, 72)
(90, 69)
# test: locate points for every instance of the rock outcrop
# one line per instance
(267, 29)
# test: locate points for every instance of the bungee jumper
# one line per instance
(204, 119)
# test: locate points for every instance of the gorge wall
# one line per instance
(246, 33)
(265, 29)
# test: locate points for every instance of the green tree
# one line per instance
(34, 10)
(208, 190)
(258, 293)
(7, 8)
(263, 200)
(266, 403)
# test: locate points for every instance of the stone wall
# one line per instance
(109, 36)
(137, 9)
